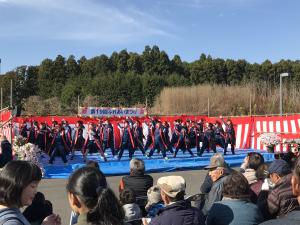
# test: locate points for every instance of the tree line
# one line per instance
(129, 79)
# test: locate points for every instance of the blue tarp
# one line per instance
(154, 165)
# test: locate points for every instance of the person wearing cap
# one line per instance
(235, 206)
(217, 171)
(177, 211)
(280, 199)
(292, 217)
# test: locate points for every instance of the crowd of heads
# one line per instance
(264, 191)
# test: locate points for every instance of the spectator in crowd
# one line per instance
(235, 207)
(177, 211)
(18, 186)
(90, 197)
(38, 210)
(280, 199)
(292, 217)
(207, 183)
(93, 163)
(138, 181)
(5, 151)
(155, 202)
(90, 163)
(290, 158)
(218, 171)
(251, 163)
(261, 174)
(131, 209)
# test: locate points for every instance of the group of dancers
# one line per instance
(153, 135)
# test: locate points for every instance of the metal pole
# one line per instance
(280, 91)
(0, 66)
(250, 104)
(11, 95)
(1, 102)
(146, 103)
(208, 107)
(78, 105)
(280, 96)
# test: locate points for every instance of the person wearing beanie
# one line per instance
(155, 202)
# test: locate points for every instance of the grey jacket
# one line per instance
(12, 216)
(132, 211)
(214, 195)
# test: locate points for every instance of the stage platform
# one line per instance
(155, 164)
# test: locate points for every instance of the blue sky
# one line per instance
(255, 30)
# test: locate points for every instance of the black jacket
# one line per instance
(6, 155)
(138, 183)
(179, 213)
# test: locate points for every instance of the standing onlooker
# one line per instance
(92, 200)
(5, 151)
(235, 207)
(138, 181)
(18, 186)
(178, 211)
(131, 209)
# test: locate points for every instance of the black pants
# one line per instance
(207, 144)
(93, 147)
(126, 145)
(149, 141)
(183, 147)
(109, 144)
(62, 152)
(139, 144)
(220, 141)
(232, 143)
(160, 147)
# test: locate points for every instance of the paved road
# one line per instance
(54, 189)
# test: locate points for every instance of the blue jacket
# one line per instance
(234, 212)
(178, 213)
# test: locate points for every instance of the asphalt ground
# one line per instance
(55, 189)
